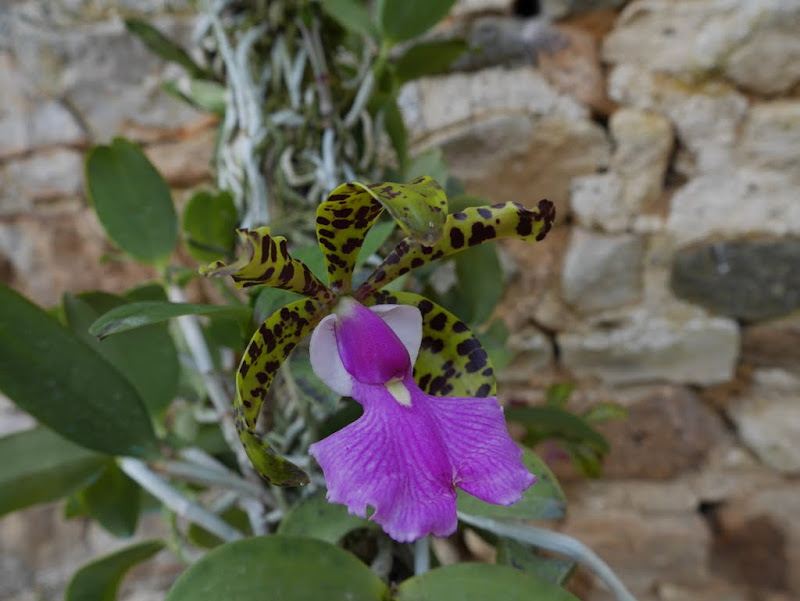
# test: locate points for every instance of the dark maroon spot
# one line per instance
(465, 347)
(483, 391)
(425, 306)
(327, 244)
(262, 378)
(438, 322)
(416, 262)
(481, 233)
(460, 327)
(265, 247)
(342, 213)
(477, 360)
(287, 273)
(456, 238)
(325, 233)
(341, 224)
(437, 384)
(335, 197)
(323, 220)
(460, 216)
(485, 213)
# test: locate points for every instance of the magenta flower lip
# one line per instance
(405, 456)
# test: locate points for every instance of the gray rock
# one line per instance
(602, 272)
(560, 9)
(768, 419)
(745, 279)
(770, 137)
(596, 202)
(44, 176)
(773, 343)
(694, 350)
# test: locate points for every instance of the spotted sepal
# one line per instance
(419, 207)
(451, 360)
(265, 261)
(463, 230)
(268, 349)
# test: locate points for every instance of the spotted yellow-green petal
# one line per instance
(462, 230)
(268, 349)
(419, 207)
(265, 261)
(451, 360)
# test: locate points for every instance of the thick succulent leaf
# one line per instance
(462, 230)
(420, 207)
(266, 262)
(268, 349)
(315, 517)
(451, 360)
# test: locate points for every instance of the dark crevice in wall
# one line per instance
(527, 8)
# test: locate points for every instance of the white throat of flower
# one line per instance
(399, 392)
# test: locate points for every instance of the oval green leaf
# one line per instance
(402, 20)
(352, 15)
(66, 385)
(315, 517)
(543, 501)
(132, 200)
(114, 500)
(39, 466)
(209, 225)
(144, 313)
(428, 58)
(147, 357)
(99, 580)
(278, 568)
(479, 582)
(161, 45)
(516, 555)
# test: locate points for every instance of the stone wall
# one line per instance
(666, 132)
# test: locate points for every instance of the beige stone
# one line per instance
(770, 138)
(45, 176)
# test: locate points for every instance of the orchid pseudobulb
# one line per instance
(407, 453)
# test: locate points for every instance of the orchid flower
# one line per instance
(409, 450)
(398, 361)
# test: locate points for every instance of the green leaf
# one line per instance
(132, 200)
(543, 501)
(604, 412)
(402, 20)
(551, 569)
(209, 224)
(555, 422)
(39, 466)
(277, 567)
(144, 313)
(479, 582)
(66, 385)
(114, 500)
(352, 15)
(558, 394)
(99, 580)
(162, 46)
(479, 284)
(315, 517)
(203, 538)
(432, 163)
(428, 58)
(377, 236)
(146, 357)
(394, 125)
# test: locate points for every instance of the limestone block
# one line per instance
(770, 137)
(768, 419)
(746, 279)
(642, 145)
(596, 202)
(47, 175)
(774, 343)
(602, 272)
(706, 115)
(693, 350)
(532, 352)
(107, 75)
(735, 202)
(754, 42)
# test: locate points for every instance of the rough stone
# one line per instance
(753, 42)
(749, 280)
(674, 547)
(774, 343)
(470, 7)
(648, 347)
(667, 432)
(187, 161)
(498, 157)
(532, 351)
(48, 175)
(560, 9)
(53, 253)
(436, 105)
(735, 203)
(105, 74)
(706, 115)
(571, 63)
(642, 144)
(601, 271)
(596, 202)
(768, 419)
(771, 136)
(505, 41)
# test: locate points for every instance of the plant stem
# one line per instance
(422, 555)
(556, 542)
(174, 500)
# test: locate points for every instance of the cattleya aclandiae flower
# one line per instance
(430, 420)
